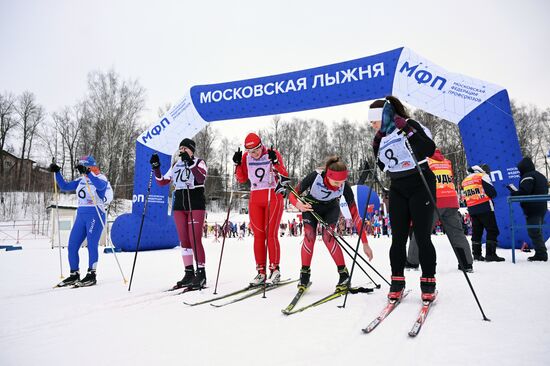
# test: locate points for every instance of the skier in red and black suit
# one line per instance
(409, 198)
(187, 174)
(263, 168)
(322, 191)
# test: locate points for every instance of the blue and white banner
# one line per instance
(481, 110)
(427, 86)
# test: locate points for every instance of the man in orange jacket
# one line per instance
(447, 203)
(479, 191)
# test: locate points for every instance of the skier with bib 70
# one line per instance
(187, 174)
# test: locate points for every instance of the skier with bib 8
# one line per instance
(396, 139)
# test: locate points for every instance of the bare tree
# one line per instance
(532, 126)
(204, 140)
(69, 123)
(227, 148)
(30, 115)
(7, 122)
(291, 136)
(316, 146)
(162, 110)
(109, 123)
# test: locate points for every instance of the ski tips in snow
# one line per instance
(301, 290)
(257, 290)
(254, 290)
(390, 306)
(422, 315)
(336, 294)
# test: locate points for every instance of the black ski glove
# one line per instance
(155, 161)
(272, 155)
(186, 158)
(54, 168)
(82, 169)
(238, 157)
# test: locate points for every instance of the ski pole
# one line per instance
(141, 226)
(58, 231)
(192, 225)
(324, 224)
(339, 239)
(223, 240)
(358, 242)
(360, 267)
(432, 200)
(103, 226)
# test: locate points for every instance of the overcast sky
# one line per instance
(48, 47)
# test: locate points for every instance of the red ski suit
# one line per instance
(264, 205)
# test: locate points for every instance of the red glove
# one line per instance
(400, 122)
(377, 139)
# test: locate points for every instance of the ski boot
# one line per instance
(88, 280)
(274, 276)
(187, 279)
(539, 256)
(258, 280)
(397, 288)
(343, 281)
(467, 268)
(427, 286)
(305, 274)
(199, 281)
(71, 280)
(491, 252)
(476, 251)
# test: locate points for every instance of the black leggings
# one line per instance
(409, 201)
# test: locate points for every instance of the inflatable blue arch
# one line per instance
(481, 110)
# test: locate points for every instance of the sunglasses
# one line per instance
(254, 149)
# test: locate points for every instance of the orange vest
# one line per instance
(473, 190)
(443, 171)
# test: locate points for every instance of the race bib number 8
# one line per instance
(394, 153)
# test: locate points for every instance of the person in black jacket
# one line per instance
(532, 183)
(409, 198)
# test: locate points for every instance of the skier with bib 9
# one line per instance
(320, 193)
(409, 200)
(187, 174)
(264, 168)
(91, 188)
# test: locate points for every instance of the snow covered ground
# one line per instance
(107, 325)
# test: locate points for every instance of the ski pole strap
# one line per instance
(356, 290)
